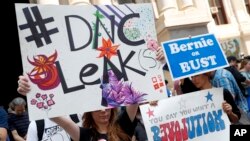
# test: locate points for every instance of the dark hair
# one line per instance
(115, 133)
(232, 58)
(188, 86)
(165, 67)
(247, 57)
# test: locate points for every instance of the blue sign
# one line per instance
(195, 55)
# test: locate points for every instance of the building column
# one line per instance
(55, 2)
(166, 5)
(185, 4)
(102, 2)
(79, 2)
(246, 42)
(240, 11)
(155, 8)
(243, 20)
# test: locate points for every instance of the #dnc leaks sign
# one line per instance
(85, 58)
(195, 55)
(179, 118)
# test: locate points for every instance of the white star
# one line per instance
(182, 103)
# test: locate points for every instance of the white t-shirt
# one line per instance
(52, 132)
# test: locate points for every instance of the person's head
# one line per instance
(202, 81)
(18, 105)
(107, 117)
(247, 57)
(233, 61)
(245, 64)
(100, 117)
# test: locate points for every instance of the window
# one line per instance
(247, 6)
(218, 11)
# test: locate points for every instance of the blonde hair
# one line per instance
(243, 63)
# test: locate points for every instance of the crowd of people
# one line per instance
(126, 124)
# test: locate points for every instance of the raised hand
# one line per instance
(160, 54)
(23, 85)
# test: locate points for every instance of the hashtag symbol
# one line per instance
(40, 22)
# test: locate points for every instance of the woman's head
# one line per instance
(108, 117)
(100, 117)
(201, 81)
(245, 64)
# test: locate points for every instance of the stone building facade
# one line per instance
(229, 20)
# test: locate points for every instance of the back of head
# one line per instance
(232, 58)
(244, 62)
(233, 61)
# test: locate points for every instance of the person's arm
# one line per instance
(23, 85)
(247, 82)
(228, 109)
(160, 54)
(131, 111)
(133, 138)
(12, 128)
(16, 136)
(69, 126)
(126, 122)
(3, 134)
(3, 124)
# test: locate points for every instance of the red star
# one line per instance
(150, 113)
(107, 49)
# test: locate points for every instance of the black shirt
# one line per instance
(238, 77)
(229, 99)
(89, 134)
(140, 132)
(20, 123)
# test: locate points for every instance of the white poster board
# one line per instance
(84, 58)
(196, 116)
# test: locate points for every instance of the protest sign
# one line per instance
(196, 116)
(85, 58)
(193, 55)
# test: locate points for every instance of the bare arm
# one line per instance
(247, 82)
(23, 85)
(16, 136)
(69, 126)
(133, 138)
(160, 54)
(132, 110)
(228, 109)
(3, 134)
